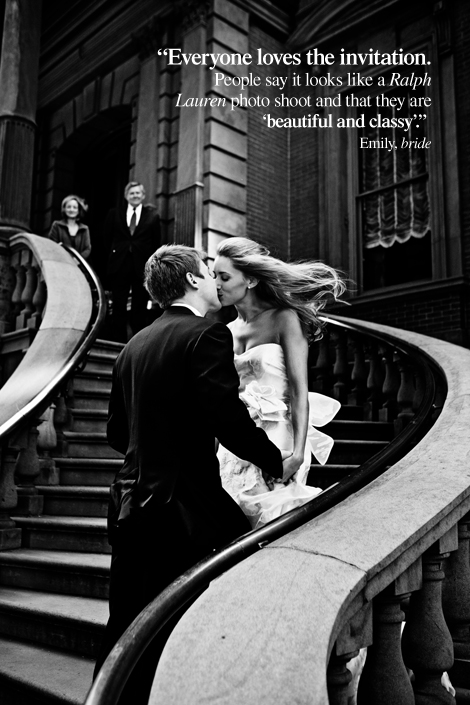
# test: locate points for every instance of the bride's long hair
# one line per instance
(303, 286)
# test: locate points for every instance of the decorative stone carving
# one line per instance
(427, 643)
(10, 535)
(149, 38)
(192, 12)
(339, 677)
(385, 679)
(443, 26)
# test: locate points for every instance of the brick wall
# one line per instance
(461, 32)
(440, 314)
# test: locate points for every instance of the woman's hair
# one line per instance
(165, 272)
(302, 286)
(82, 206)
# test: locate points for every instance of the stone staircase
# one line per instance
(53, 590)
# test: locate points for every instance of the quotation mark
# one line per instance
(419, 117)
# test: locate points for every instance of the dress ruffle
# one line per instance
(264, 388)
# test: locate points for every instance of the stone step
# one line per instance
(92, 382)
(107, 346)
(93, 472)
(85, 574)
(61, 621)
(89, 420)
(98, 361)
(74, 500)
(82, 534)
(354, 452)
(326, 475)
(359, 430)
(37, 675)
(89, 445)
(90, 399)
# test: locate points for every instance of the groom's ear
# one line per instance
(192, 280)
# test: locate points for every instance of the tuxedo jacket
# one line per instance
(175, 389)
(119, 243)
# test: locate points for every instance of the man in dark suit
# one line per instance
(131, 235)
(175, 389)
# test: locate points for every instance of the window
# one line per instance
(393, 197)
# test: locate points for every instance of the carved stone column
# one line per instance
(189, 179)
(359, 373)
(148, 108)
(10, 535)
(47, 442)
(346, 662)
(18, 93)
(375, 382)
(390, 387)
(427, 643)
(405, 394)
(385, 680)
(339, 677)
(30, 503)
(341, 366)
(456, 605)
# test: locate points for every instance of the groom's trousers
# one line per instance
(145, 559)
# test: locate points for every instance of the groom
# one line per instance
(175, 389)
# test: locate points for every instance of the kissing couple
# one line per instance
(189, 379)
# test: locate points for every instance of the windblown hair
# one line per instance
(82, 206)
(304, 287)
(165, 272)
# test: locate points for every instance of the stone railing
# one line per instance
(374, 373)
(281, 626)
(52, 312)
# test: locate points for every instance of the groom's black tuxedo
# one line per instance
(175, 389)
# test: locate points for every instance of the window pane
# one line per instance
(396, 215)
(401, 263)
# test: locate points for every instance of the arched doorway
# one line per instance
(94, 162)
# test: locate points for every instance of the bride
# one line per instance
(277, 305)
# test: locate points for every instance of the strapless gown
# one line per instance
(264, 388)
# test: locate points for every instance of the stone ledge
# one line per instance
(263, 632)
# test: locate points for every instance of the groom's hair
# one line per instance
(165, 272)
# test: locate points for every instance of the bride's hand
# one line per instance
(290, 465)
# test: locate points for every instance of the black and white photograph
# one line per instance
(234, 352)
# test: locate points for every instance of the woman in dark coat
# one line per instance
(70, 230)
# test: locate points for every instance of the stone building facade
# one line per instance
(88, 101)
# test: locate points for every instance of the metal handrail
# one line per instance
(118, 666)
(41, 400)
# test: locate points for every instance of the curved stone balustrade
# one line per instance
(272, 628)
(51, 305)
(64, 321)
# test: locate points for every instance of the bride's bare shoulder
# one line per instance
(287, 318)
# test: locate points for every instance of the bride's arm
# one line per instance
(295, 348)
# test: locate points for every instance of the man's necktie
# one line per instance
(133, 223)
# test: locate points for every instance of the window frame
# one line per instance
(436, 179)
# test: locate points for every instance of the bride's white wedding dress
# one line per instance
(264, 388)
